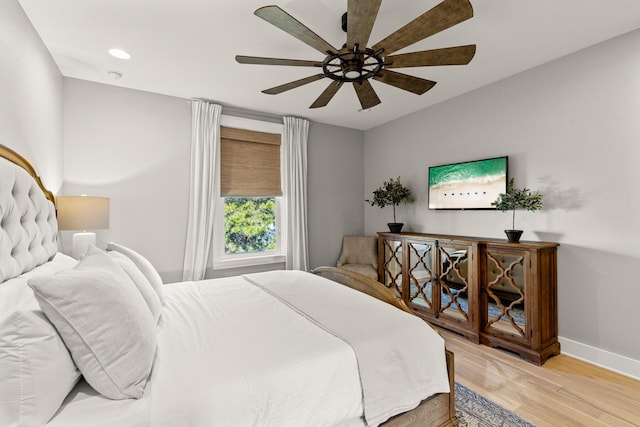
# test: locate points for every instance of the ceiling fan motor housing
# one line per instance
(352, 65)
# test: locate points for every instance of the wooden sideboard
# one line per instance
(491, 291)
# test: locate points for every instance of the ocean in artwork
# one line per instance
(469, 185)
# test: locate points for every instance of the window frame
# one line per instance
(221, 260)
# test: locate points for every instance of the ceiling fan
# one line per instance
(356, 63)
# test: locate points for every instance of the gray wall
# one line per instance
(336, 183)
(30, 95)
(133, 147)
(571, 130)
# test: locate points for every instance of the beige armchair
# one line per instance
(360, 255)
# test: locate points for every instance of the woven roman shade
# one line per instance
(249, 163)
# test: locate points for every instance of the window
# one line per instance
(248, 224)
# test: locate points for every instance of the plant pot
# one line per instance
(513, 235)
(395, 227)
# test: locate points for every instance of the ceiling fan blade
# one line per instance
(276, 61)
(361, 15)
(458, 55)
(327, 95)
(292, 85)
(439, 18)
(281, 19)
(367, 96)
(409, 83)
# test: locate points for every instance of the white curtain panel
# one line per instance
(204, 192)
(294, 138)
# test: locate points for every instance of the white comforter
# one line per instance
(242, 358)
(231, 353)
(400, 359)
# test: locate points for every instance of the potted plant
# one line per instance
(391, 193)
(517, 198)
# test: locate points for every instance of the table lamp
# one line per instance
(82, 213)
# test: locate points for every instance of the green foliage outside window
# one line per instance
(249, 224)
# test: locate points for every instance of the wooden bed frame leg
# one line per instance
(452, 385)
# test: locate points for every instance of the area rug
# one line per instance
(473, 410)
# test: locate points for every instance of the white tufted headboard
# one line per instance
(28, 226)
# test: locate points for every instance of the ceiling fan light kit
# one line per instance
(356, 63)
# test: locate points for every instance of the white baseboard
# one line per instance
(605, 359)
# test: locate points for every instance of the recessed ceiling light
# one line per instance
(119, 53)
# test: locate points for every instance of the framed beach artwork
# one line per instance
(468, 185)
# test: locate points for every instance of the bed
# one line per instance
(102, 342)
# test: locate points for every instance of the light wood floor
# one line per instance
(562, 392)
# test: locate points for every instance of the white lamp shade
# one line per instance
(82, 212)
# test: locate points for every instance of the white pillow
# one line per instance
(104, 321)
(37, 370)
(143, 264)
(150, 296)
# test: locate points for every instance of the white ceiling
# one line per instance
(186, 48)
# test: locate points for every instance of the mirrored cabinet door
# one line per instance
(421, 275)
(505, 292)
(454, 282)
(392, 265)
